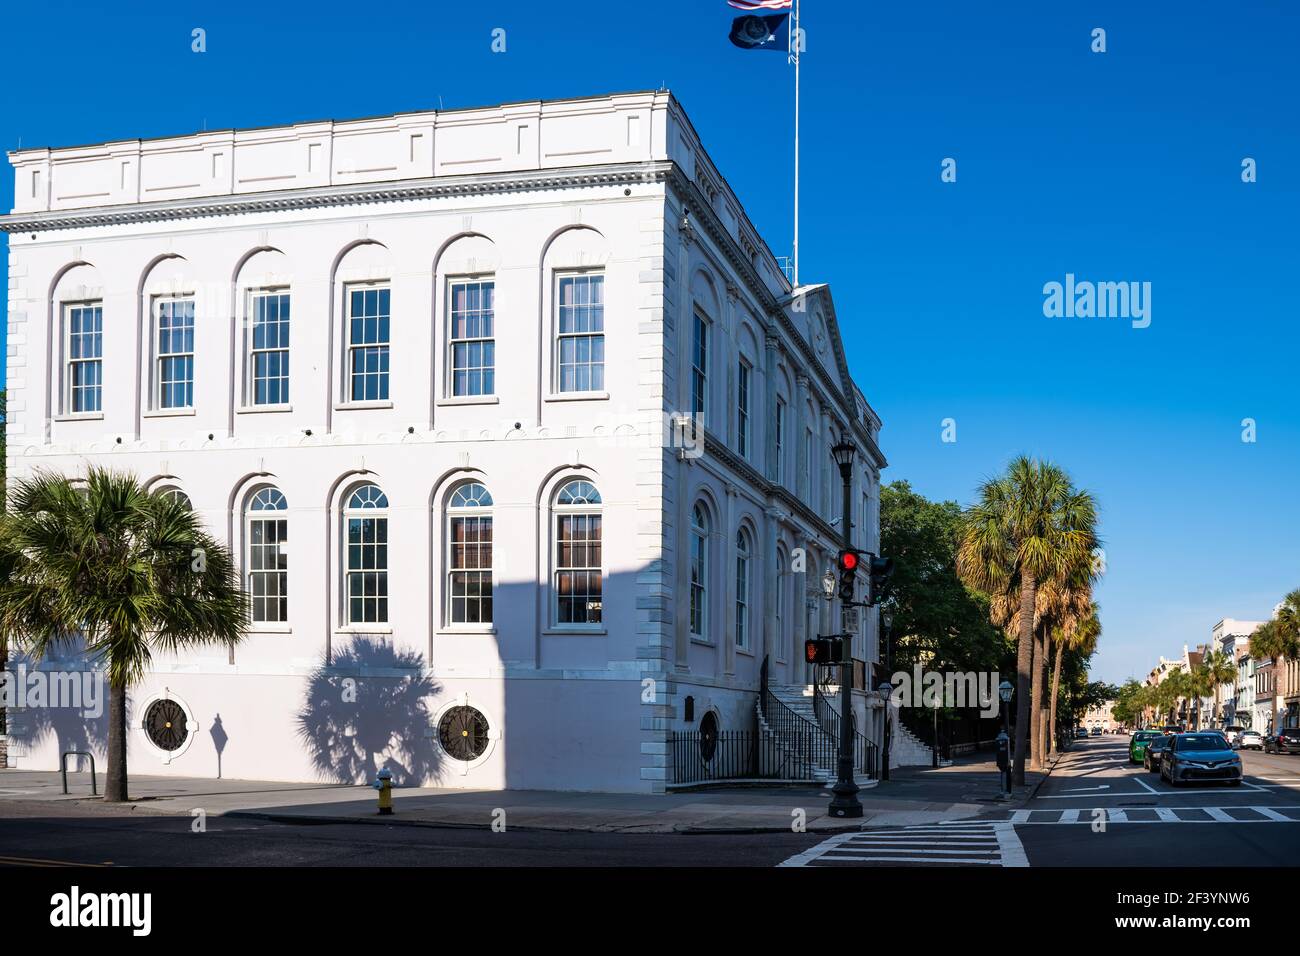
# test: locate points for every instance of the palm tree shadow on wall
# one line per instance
(74, 728)
(369, 711)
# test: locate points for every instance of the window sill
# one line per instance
(578, 397)
(168, 412)
(702, 642)
(80, 417)
(262, 409)
(744, 650)
(270, 629)
(352, 630)
(469, 400)
(356, 406)
(576, 631)
(466, 630)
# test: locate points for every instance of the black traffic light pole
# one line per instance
(845, 802)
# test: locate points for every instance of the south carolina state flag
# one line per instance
(753, 32)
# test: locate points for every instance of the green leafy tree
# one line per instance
(124, 573)
(931, 609)
(1028, 525)
(1129, 703)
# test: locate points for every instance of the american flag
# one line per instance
(760, 4)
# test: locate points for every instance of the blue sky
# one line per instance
(1122, 166)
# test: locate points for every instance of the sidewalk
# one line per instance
(914, 795)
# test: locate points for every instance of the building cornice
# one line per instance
(320, 197)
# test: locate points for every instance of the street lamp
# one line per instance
(1004, 739)
(845, 802)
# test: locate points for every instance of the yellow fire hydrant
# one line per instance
(384, 784)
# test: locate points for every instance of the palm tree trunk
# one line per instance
(115, 784)
(1056, 689)
(1044, 656)
(1036, 695)
(1024, 662)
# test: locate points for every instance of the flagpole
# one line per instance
(796, 42)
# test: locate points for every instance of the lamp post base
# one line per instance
(845, 803)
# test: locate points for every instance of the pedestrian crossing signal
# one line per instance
(823, 650)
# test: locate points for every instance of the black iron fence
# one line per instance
(723, 755)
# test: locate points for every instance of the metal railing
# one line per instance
(808, 745)
(865, 757)
(725, 755)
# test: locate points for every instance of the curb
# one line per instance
(295, 820)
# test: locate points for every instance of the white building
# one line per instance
(1237, 697)
(424, 373)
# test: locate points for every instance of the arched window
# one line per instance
(699, 551)
(365, 520)
(268, 559)
(743, 555)
(578, 567)
(174, 494)
(469, 555)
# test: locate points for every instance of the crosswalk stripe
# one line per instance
(1219, 815)
(1069, 816)
(1273, 814)
(1116, 816)
(1167, 816)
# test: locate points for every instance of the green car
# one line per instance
(1137, 747)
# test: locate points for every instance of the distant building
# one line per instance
(1101, 716)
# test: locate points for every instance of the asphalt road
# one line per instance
(51, 834)
(1098, 809)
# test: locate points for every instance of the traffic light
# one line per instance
(848, 562)
(879, 571)
(823, 650)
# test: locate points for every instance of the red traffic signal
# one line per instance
(848, 560)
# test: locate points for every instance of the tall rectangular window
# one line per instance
(269, 348)
(699, 367)
(268, 564)
(473, 349)
(469, 545)
(368, 331)
(779, 471)
(578, 568)
(742, 409)
(580, 347)
(85, 351)
(176, 353)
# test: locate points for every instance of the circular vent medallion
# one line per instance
(463, 733)
(165, 725)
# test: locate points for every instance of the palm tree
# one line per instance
(1220, 668)
(120, 570)
(1198, 686)
(1027, 526)
(1177, 684)
(1078, 634)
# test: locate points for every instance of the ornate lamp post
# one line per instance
(845, 802)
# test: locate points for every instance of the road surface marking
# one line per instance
(981, 843)
(1273, 815)
(1167, 816)
(1220, 815)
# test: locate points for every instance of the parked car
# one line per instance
(1199, 756)
(1095, 732)
(1172, 728)
(1156, 748)
(1249, 740)
(1285, 741)
(1080, 733)
(1232, 731)
(1137, 747)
